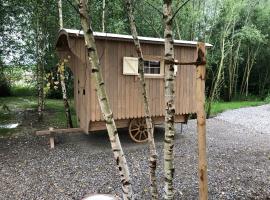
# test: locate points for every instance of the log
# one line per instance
(201, 122)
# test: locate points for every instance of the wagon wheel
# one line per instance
(138, 130)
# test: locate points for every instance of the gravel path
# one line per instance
(238, 159)
(257, 118)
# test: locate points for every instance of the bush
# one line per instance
(54, 93)
(4, 86)
(267, 98)
(23, 91)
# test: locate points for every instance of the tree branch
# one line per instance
(154, 7)
(75, 8)
(179, 9)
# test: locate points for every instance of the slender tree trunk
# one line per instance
(243, 84)
(103, 101)
(39, 69)
(61, 70)
(178, 29)
(235, 70)
(250, 66)
(169, 100)
(231, 67)
(217, 78)
(60, 11)
(150, 129)
(201, 120)
(103, 15)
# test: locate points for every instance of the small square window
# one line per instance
(151, 67)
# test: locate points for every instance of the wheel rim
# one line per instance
(138, 130)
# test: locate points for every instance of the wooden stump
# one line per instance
(201, 121)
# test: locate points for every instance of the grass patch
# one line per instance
(218, 107)
(54, 114)
(5, 132)
(18, 103)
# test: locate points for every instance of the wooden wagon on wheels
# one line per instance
(119, 66)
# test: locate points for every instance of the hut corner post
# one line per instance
(201, 121)
(103, 101)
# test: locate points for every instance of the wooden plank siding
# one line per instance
(124, 91)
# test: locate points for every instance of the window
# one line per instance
(151, 67)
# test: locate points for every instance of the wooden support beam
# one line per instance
(51, 133)
(51, 139)
(201, 122)
(59, 131)
(51, 142)
(199, 61)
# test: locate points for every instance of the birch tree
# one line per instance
(60, 11)
(252, 39)
(103, 101)
(169, 100)
(231, 15)
(103, 15)
(150, 128)
(61, 71)
(40, 49)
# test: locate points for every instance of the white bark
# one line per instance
(103, 101)
(150, 128)
(169, 100)
(103, 15)
(60, 14)
(61, 70)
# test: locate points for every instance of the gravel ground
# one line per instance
(238, 162)
(257, 118)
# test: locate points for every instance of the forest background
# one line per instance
(238, 63)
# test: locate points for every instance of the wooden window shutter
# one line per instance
(175, 69)
(130, 66)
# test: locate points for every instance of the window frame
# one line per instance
(155, 59)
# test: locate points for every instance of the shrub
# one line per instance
(4, 86)
(23, 91)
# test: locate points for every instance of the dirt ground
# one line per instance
(238, 164)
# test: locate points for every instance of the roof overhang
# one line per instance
(121, 37)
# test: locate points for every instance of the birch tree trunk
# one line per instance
(218, 77)
(40, 69)
(150, 129)
(103, 101)
(61, 71)
(169, 100)
(103, 15)
(60, 11)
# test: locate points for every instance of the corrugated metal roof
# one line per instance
(122, 37)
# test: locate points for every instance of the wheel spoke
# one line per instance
(134, 129)
(145, 135)
(140, 136)
(136, 134)
(135, 125)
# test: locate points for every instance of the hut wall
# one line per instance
(124, 90)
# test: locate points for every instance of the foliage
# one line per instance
(236, 23)
(4, 86)
(22, 91)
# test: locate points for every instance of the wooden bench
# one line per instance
(52, 132)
